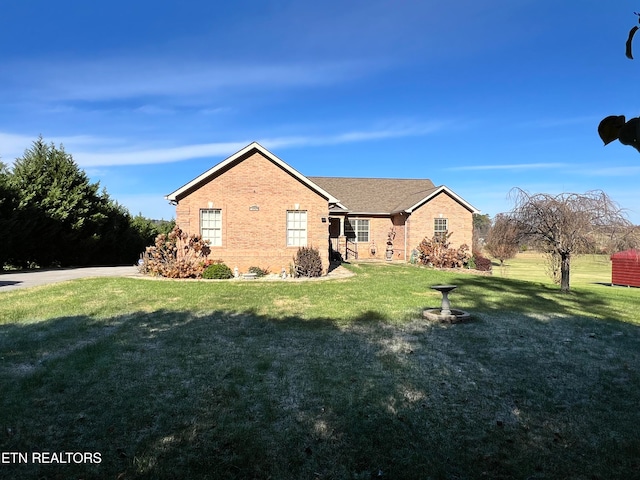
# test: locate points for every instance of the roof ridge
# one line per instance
(371, 178)
(240, 156)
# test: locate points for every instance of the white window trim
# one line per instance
(355, 223)
(213, 241)
(300, 240)
(439, 232)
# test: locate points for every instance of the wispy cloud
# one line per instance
(142, 156)
(154, 110)
(155, 155)
(92, 151)
(512, 166)
(14, 145)
(214, 111)
(124, 78)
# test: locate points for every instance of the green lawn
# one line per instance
(531, 266)
(336, 379)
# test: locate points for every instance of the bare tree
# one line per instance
(503, 238)
(567, 224)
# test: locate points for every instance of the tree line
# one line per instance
(52, 215)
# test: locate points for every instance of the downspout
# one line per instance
(406, 226)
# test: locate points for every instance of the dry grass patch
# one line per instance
(291, 306)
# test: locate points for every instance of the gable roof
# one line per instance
(381, 196)
(238, 157)
(384, 196)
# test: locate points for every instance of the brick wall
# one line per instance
(416, 227)
(421, 222)
(254, 196)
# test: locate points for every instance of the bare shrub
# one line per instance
(482, 263)
(437, 252)
(307, 262)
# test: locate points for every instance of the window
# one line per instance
(440, 228)
(357, 229)
(296, 228)
(211, 226)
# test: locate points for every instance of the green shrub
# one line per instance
(217, 271)
(472, 263)
(308, 262)
(260, 272)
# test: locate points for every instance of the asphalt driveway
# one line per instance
(25, 279)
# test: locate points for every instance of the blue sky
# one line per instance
(479, 96)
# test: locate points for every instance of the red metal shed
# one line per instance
(625, 268)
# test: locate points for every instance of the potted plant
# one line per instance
(390, 236)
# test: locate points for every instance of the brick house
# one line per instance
(256, 210)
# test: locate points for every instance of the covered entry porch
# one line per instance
(341, 242)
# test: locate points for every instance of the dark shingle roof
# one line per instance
(376, 195)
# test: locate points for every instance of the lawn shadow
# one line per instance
(499, 295)
(219, 394)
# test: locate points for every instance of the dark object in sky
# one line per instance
(632, 32)
(615, 127)
(630, 133)
(609, 128)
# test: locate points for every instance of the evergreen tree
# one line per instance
(59, 214)
(51, 214)
(8, 203)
